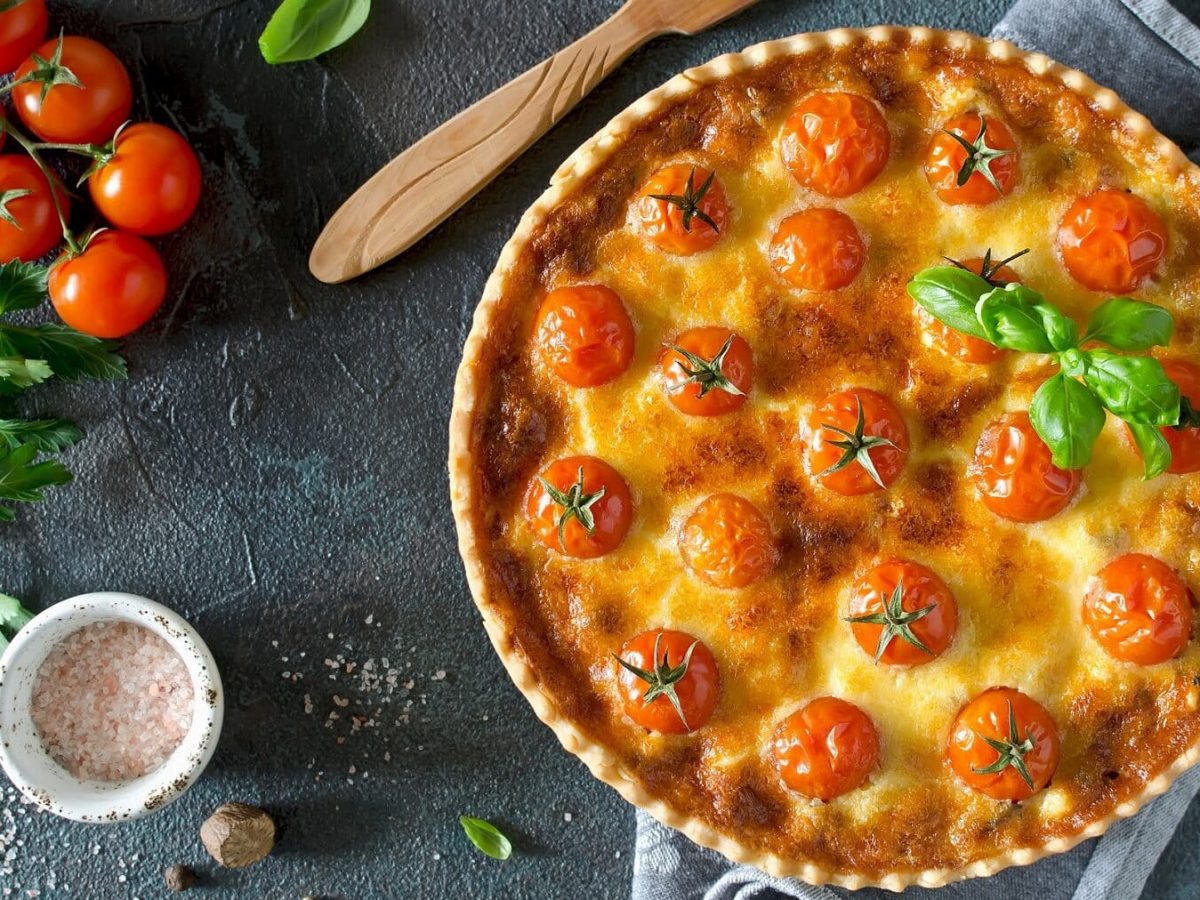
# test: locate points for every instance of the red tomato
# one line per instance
(110, 289)
(1016, 720)
(668, 681)
(835, 143)
(22, 28)
(946, 157)
(715, 380)
(579, 506)
(728, 542)
(964, 346)
(915, 630)
(817, 250)
(1014, 474)
(38, 230)
(882, 441)
(826, 748)
(1139, 610)
(1184, 442)
(681, 210)
(151, 183)
(584, 335)
(1111, 241)
(76, 115)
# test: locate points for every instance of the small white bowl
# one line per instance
(51, 786)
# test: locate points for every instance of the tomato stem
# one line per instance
(29, 147)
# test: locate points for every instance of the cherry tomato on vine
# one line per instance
(986, 173)
(854, 442)
(37, 230)
(826, 748)
(707, 371)
(22, 28)
(1139, 609)
(902, 613)
(835, 143)
(668, 681)
(682, 209)
(151, 182)
(1014, 473)
(89, 114)
(111, 288)
(728, 542)
(579, 506)
(1025, 731)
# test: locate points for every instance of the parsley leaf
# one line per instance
(13, 617)
(22, 286)
(22, 479)
(18, 373)
(48, 435)
(69, 353)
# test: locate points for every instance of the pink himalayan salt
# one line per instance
(112, 701)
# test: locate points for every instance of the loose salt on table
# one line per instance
(112, 701)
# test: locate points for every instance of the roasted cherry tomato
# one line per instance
(707, 371)
(835, 143)
(1029, 737)
(110, 289)
(854, 441)
(728, 542)
(22, 28)
(683, 209)
(826, 748)
(668, 680)
(584, 334)
(1014, 474)
(89, 114)
(902, 613)
(1111, 241)
(151, 182)
(37, 230)
(817, 250)
(964, 346)
(985, 172)
(1184, 442)
(1139, 610)
(579, 506)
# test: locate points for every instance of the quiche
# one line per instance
(821, 457)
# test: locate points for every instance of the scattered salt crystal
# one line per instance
(439, 675)
(566, 817)
(370, 618)
(112, 701)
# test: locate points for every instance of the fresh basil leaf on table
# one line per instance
(487, 837)
(304, 29)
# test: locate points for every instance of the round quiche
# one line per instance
(821, 456)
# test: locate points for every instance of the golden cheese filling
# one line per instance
(783, 640)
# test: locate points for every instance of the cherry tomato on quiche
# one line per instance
(29, 226)
(854, 441)
(1013, 471)
(110, 289)
(1184, 442)
(902, 613)
(88, 114)
(683, 209)
(584, 335)
(728, 542)
(964, 346)
(817, 250)
(668, 680)
(1139, 609)
(1028, 756)
(151, 182)
(22, 28)
(972, 160)
(707, 371)
(826, 748)
(835, 142)
(579, 506)
(1111, 241)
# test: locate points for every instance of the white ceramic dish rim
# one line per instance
(50, 786)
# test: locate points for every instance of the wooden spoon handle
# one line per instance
(417, 190)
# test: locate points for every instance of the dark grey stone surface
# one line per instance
(274, 468)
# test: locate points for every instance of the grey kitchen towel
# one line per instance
(1149, 53)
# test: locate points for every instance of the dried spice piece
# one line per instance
(238, 834)
(179, 878)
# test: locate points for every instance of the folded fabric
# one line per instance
(1149, 53)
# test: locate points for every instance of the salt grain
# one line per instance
(112, 701)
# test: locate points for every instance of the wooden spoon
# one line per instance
(417, 190)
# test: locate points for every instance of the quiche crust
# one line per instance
(521, 639)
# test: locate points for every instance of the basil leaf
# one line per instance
(1129, 324)
(303, 29)
(486, 837)
(22, 286)
(950, 295)
(1135, 388)
(1156, 452)
(1069, 418)
(1018, 318)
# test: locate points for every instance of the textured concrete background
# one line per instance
(274, 467)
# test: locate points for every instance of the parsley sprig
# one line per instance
(13, 617)
(1068, 410)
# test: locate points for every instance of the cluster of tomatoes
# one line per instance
(74, 95)
(1003, 743)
